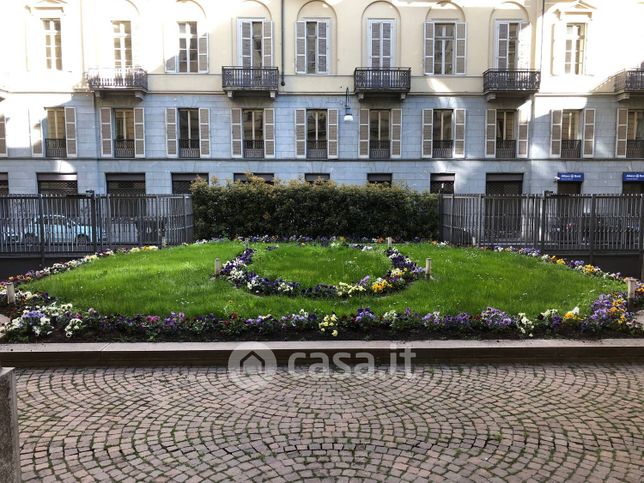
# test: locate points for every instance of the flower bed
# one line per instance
(39, 317)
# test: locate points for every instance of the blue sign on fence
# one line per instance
(571, 177)
(634, 177)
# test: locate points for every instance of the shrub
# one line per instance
(313, 209)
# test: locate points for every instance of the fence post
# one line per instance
(158, 210)
(140, 210)
(542, 234)
(593, 224)
(185, 218)
(92, 205)
(479, 220)
(641, 237)
(451, 220)
(41, 229)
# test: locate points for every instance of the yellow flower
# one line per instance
(334, 333)
(561, 262)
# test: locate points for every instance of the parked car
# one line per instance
(60, 229)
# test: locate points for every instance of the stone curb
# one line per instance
(217, 353)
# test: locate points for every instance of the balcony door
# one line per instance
(380, 44)
(512, 46)
(379, 134)
(255, 43)
(124, 131)
(122, 35)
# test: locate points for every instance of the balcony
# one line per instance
(254, 149)
(506, 148)
(55, 148)
(316, 149)
(635, 148)
(124, 148)
(250, 80)
(127, 80)
(629, 83)
(189, 148)
(510, 83)
(571, 148)
(382, 82)
(379, 149)
(443, 148)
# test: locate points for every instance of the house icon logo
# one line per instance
(251, 365)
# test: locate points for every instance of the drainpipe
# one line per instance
(282, 39)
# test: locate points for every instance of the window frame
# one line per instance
(189, 36)
(58, 116)
(121, 58)
(578, 46)
(442, 41)
(53, 43)
(503, 113)
(392, 43)
(192, 124)
(442, 124)
(123, 121)
(579, 121)
(317, 114)
(379, 113)
(254, 113)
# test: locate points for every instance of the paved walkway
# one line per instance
(481, 423)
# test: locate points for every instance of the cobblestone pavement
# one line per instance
(579, 422)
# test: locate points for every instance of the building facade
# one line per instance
(466, 96)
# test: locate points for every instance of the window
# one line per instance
(379, 133)
(251, 48)
(630, 188)
(571, 134)
(504, 184)
(507, 52)
(317, 177)
(124, 133)
(269, 178)
(444, 52)
(568, 188)
(379, 178)
(381, 34)
(253, 133)
(122, 31)
(125, 183)
(505, 134)
(55, 142)
(443, 141)
(188, 47)
(575, 48)
(311, 47)
(442, 183)
(4, 184)
(57, 184)
(181, 182)
(53, 50)
(635, 134)
(316, 135)
(189, 133)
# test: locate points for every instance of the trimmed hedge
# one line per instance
(312, 209)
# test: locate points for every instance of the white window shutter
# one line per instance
(3, 137)
(374, 44)
(332, 133)
(70, 132)
(524, 46)
(396, 128)
(300, 47)
(236, 133)
(621, 133)
(428, 34)
(558, 55)
(139, 132)
(363, 145)
(323, 47)
(387, 44)
(106, 132)
(459, 133)
(589, 133)
(522, 140)
(267, 44)
(204, 132)
(171, 132)
(490, 133)
(502, 36)
(428, 132)
(202, 53)
(35, 119)
(300, 133)
(171, 47)
(269, 133)
(556, 121)
(245, 44)
(461, 48)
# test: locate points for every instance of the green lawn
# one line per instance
(178, 279)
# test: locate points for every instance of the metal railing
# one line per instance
(84, 223)
(571, 148)
(443, 148)
(254, 148)
(250, 78)
(558, 223)
(523, 80)
(117, 78)
(124, 148)
(189, 148)
(506, 148)
(55, 148)
(380, 149)
(630, 81)
(635, 148)
(394, 79)
(316, 149)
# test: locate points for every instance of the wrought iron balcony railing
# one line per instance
(250, 79)
(635, 148)
(380, 149)
(126, 78)
(523, 81)
(316, 149)
(124, 148)
(254, 148)
(506, 148)
(55, 148)
(571, 148)
(630, 81)
(189, 148)
(392, 80)
(443, 148)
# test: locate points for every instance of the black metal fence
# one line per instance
(500, 80)
(250, 78)
(117, 78)
(557, 223)
(77, 224)
(396, 79)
